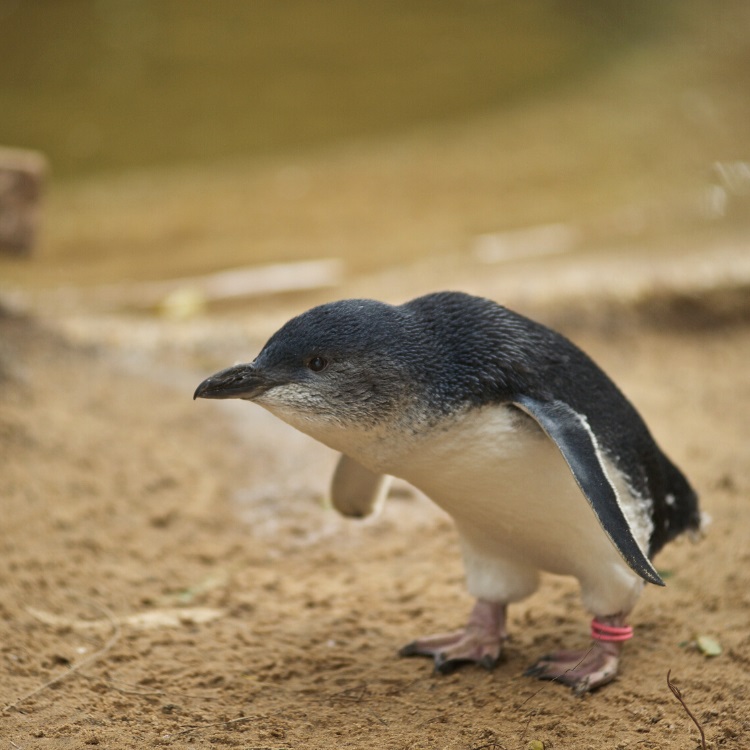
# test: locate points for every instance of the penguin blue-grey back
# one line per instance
(539, 458)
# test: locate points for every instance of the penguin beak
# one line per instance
(239, 381)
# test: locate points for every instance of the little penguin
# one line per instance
(540, 460)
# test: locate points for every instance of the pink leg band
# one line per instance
(611, 633)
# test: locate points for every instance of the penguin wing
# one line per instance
(570, 431)
(356, 491)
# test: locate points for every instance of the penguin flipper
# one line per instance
(570, 431)
(356, 491)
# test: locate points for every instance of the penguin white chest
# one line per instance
(510, 492)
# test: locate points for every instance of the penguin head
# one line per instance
(343, 364)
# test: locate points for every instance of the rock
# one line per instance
(21, 179)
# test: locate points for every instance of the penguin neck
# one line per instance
(385, 447)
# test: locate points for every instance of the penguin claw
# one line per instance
(447, 666)
(489, 662)
(534, 671)
(433, 645)
(411, 649)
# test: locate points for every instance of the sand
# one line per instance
(171, 577)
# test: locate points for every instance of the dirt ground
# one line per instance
(171, 577)
(170, 573)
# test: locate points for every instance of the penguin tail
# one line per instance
(676, 509)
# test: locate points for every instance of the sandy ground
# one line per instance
(170, 576)
(169, 572)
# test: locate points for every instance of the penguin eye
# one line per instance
(316, 364)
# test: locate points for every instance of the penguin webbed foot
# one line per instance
(451, 650)
(481, 641)
(584, 670)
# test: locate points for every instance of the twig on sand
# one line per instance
(114, 637)
(356, 695)
(132, 689)
(678, 694)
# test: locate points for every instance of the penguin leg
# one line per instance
(481, 641)
(587, 669)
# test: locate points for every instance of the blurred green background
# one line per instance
(186, 136)
(105, 85)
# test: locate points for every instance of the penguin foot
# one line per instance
(451, 650)
(481, 641)
(583, 670)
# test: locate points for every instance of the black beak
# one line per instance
(239, 381)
